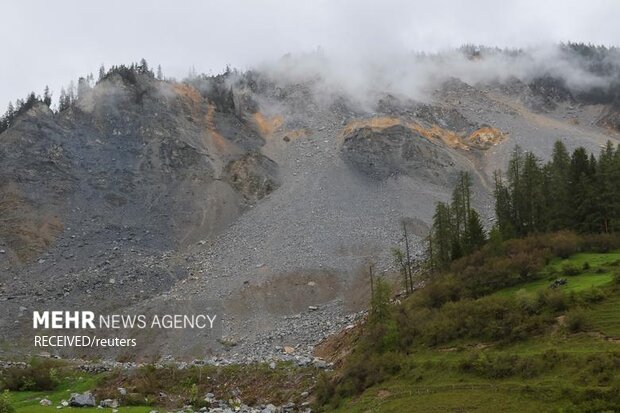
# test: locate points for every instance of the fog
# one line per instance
(352, 44)
(364, 78)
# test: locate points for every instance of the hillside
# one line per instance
(266, 192)
(537, 345)
(529, 344)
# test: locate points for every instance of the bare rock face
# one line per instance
(253, 175)
(104, 189)
(142, 154)
(611, 117)
(237, 187)
(396, 150)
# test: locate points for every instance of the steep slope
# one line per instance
(255, 193)
(94, 195)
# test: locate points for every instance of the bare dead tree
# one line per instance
(408, 261)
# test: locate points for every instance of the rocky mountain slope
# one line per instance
(249, 191)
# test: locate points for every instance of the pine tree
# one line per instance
(160, 75)
(613, 182)
(607, 188)
(474, 234)
(503, 208)
(71, 93)
(442, 231)
(144, 67)
(531, 191)
(47, 96)
(101, 72)
(10, 112)
(63, 100)
(558, 189)
(515, 188)
(580, 172)
(461, 204)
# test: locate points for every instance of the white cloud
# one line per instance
(55, 42)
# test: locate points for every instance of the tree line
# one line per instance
(575, 191)
(578, 191)
(68, 95)
(456, 229)
(22, 106)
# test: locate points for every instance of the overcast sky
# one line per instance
(54, 42)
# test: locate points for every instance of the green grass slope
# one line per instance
(534, 348)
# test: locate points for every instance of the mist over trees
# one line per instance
(71, 93)
(22, 106)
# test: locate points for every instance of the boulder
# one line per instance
(45, 402)
(82, 400)
(112, 403)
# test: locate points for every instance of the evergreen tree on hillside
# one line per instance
(456, 228)
(64, 101)
(461, 204)
(474, 237)
(515, 188)
(579, 192)
(557, 189)
(580, 184)
(442, 230)
(47, 96)
(533, 197)
(503, 208)
(607, 188)
(143, 67)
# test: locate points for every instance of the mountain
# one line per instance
(266, 194)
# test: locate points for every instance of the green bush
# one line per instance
(362, 371)
(499, 366)
(576, 321)
(39, 374)
(5, 403)
(325, 391)
(553, 299)
(570, 270)
(563, 244)
(601, 242)
(593, 295)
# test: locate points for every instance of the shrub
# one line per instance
(570, 269)
(40, 374)
(601, 242)
(585, 266)
(555, 300)
(5, 403)
(576, 321)
(365, 370)
(324, 390)
(564, 243)
(498, 366)
(593, 295)
(527, 301)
